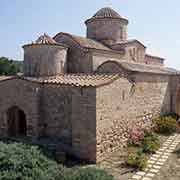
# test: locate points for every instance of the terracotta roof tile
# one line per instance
(79, 79)
(3, 78)
(71, 79)
(83, 42)
(45, 39)
(140, 67)
(89, 43)
(129, 41)
(106, 12)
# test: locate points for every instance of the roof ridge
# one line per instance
(80, 40)
(129, 41)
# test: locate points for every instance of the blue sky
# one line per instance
(155, 23)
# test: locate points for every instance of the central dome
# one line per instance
(107, 26)
(107, 12)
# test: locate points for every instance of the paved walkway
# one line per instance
(158, 159)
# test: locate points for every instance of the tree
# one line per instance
(9, 66)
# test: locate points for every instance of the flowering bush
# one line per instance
(136, 135)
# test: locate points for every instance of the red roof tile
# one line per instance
(71, 79)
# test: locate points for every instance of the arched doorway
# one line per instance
(16, 120)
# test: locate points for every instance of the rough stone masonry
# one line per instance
(86, 95)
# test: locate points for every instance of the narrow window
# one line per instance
(123, 95)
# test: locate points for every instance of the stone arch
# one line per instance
(111, 67)
(16, 122)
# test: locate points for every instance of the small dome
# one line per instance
(106, 12)
(45, 39)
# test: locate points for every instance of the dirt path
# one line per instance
(171, 169)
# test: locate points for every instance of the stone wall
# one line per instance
(44, 60)
(134, 51)
(112, 67)
(24, 95)
(107, 30)
(78, 60)
(65, 114)
(152, 60)
(68, 114)
(125, 104)
(56, 110)
(175, 95)
(84, 124)
(99, 58)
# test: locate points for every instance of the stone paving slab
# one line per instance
(158, 159)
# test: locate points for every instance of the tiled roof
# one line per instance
(3, 78)
(155, 57)
(106, 12)
(89, 43)
(139, 67)
(84, 42)
(128, 42)
(77, 79)
(45, 40)
(72, 79)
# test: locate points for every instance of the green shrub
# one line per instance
(137, 160)
(165, 125)
(150, 142)
(172, 115)
(24, 162)
(87, 174)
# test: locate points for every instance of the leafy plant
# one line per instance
(172, 115)
(137, 160)
(165, 125)
(27, 162)
(24, 162)
(150, 142)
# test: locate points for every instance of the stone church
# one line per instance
(86, 94)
